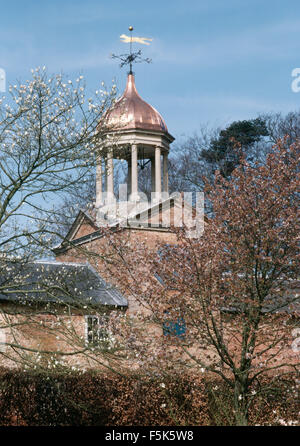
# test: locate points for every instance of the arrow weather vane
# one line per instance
(129, 59)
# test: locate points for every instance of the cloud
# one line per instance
(19, 50)
(274, 42)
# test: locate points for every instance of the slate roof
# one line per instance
(78, 284)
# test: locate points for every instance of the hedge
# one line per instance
(97, 399)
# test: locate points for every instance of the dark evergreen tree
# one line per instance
(238, 138)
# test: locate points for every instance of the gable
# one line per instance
(83, 225)
(84, 228)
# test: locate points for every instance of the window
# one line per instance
(175, 328)
(97, 333)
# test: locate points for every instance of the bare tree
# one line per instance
(222, 303)
(283, 126)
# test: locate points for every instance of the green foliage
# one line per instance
(225, 151)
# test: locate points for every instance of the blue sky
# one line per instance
(214, 61)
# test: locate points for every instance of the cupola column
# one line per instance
(165, 173)
(129, 176)
(110, 176)
(134, 171)
(152, 175)
(157, 172)
(99, 195)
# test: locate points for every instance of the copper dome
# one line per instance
(131, 112)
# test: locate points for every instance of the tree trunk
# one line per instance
(241, 404)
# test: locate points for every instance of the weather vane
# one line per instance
(129, 59)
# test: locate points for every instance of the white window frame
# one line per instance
(102, 322)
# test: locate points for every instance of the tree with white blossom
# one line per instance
(49, 139)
